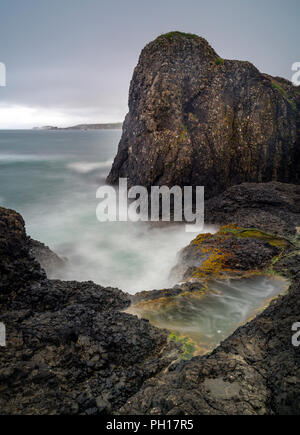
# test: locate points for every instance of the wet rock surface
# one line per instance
(198, 120)
(255, 371)
(273, 207)
(232, 252)
(177, 290)
(69, 349)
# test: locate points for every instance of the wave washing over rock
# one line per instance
(72, 349)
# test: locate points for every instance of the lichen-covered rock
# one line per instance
(196, 119)
(231, 252)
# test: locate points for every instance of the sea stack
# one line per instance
(197, 119)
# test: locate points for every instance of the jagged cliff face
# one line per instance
(196, 119)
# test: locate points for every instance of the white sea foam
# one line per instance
(19, 158)
(86, 167)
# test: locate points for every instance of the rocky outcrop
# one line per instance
(233, 252)
(69, 348)
(261, 220)
(17, 267)
(196, 119)
(48, 259)
(272, 207)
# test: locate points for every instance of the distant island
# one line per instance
(111, 126)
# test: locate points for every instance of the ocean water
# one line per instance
(209, 317)
(51, 178)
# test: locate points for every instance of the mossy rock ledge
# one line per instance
(233, 252)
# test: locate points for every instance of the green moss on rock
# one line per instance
(219, 61)
(176, 34)
(284, 93)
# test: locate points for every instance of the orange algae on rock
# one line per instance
(220, 252)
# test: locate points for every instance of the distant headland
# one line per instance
(111, 126)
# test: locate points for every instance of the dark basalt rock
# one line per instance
(150, 295)
(65, 361)
(69, 348)
(272, 207)
(196, 119)
(18, 269)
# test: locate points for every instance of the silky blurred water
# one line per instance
(51, 178)
(211, 316)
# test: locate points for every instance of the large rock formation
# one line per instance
(196, 119)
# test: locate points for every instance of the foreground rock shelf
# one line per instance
(71, 348)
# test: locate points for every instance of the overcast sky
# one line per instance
(71, 61)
